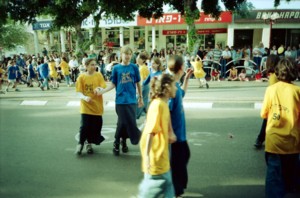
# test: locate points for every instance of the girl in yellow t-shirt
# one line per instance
(199, 73)
(2, 72)
(154, 143)
(65, 68)
(88, 86)
(144, 73)
(53, 72)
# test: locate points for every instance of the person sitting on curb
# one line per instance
(242, 76)
(232, 74)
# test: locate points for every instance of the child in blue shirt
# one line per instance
(125, 78)
(180, 152)
(12, 75)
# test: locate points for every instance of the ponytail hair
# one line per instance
(160, 85)
(175, 63)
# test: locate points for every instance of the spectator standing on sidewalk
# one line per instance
(73, 63)
(216, 56)
(155, 141)
(88, 86)
(281, 108)
(271, 63)
(180, 152)
(126, 79)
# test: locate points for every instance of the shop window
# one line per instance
(139, 38)
(210, 40)
(243, 38)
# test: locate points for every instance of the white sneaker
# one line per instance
(89, 149)
(79, 148)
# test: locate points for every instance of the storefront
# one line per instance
(169, 31)
(254, 29)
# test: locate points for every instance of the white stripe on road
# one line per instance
(34, 102)
(73, 104)
(198, 105)
(257, 105)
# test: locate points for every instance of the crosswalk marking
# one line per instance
(34, 102)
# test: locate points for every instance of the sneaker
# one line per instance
(42, 88)
(2, 92)
(89, 149)
(124, 146)
(17, 90)
(79, 148)
(207, 86)
(116, 149)
(6, 90)
(258, 144)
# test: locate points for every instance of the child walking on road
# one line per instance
(155, 141)
(271, 63)
(180, 152)
(281, 107)
(91, 106)
(125, 78)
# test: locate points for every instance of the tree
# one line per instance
(70, 13)
(12, 35)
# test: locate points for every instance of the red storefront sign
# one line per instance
(202, 31)
(177, 19)
(174, 32)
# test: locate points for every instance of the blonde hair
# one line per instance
(158, 62)
(126, 49)
(160, 85)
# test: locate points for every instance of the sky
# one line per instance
(264, 4)
(269, 4)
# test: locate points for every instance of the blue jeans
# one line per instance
(67, 78)
(223, 68)
(45, 82)
(156, 185)
(282, 174)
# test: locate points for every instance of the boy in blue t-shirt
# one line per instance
(12, 75)
(126, 79)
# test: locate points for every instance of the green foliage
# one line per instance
(12, 35)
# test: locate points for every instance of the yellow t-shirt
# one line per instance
(158, 118)
(65, 67)
(198, 69)
(86, 84)
(281, 107)
(2, 71)
(53, 72)
(272, 79)
(144, 72)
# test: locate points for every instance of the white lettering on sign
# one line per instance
(282, 15)
(212, 19)
(45, 25)
(165, 19)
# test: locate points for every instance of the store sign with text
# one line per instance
(176, 19)
(284, 16)
(199, 31)
(42, 25)
(107, 22)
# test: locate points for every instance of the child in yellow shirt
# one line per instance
(281, 108)
(88, 86)
(154, 143)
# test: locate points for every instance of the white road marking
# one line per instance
(34, 102)
(257, 105)
(73, 104)
(198, 105)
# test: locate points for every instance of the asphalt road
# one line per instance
(37, 145)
